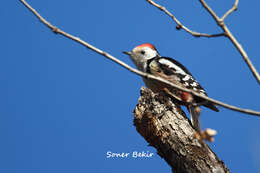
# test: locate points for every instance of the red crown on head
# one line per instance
(147, 45)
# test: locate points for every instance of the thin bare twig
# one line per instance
(180, 25)
(234, 8)
(224, 27)
(140, 73)
(211, 12)
(220, 22)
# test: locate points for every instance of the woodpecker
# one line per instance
(148, 60)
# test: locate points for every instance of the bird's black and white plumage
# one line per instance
(147, 59)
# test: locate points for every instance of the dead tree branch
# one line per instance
(140, 73)
(231, 10)
(165, 126)
(220, 22)
(180, 25)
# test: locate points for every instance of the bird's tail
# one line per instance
(194, 114)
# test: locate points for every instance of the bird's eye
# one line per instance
(142, 52)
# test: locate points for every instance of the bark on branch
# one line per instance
(165, 126)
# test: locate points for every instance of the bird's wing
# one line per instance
(175, 72)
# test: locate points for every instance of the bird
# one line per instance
(147, 59)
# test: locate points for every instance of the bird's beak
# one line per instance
(127, 53)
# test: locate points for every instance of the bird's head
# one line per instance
(141, 54)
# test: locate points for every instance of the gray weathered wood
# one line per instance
(165, 126)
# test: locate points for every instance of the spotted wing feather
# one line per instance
(171, 67)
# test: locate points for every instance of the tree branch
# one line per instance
(165, 126)
(231, 10)
(180, 25)
(211, 12)
(140, 73)
(220, 22)
(227, 32)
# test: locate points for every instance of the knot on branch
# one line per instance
(165, 126)
(178, 27)
(55, 30)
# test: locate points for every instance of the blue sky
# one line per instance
(63, 107)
